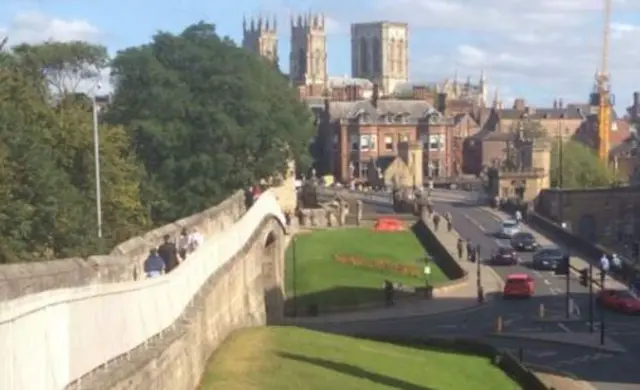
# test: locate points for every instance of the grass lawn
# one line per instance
(282, 358)
(322, 280)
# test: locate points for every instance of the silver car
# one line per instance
(509, 228)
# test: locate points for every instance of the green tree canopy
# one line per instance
(47, 190)
(64, 65)
(206, 118)
(531, 129)
(581, 167)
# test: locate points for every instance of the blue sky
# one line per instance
(539, 49)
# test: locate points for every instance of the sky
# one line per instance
(537, 49)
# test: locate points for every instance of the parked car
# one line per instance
(620, 301)
(524, 241)
(519, 286)
(547, 258)
(505, 256)
(509, 228)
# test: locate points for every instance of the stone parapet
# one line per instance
(125, 261)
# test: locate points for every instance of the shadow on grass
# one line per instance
(345, 298)
(354, 371)
(438, 252)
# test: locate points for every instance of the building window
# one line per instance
(404, 138)
(436, 142)
(388, 143)
(434, 168)
(368, 142)
(355, 143)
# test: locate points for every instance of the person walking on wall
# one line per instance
(183, 244)
(169, 253)
(460, 247)
(449, 220)
(154, 265)
(195, 240)
(436, 221)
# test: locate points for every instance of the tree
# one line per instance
(206, 118)
(581, 167)
(47, 196)
(64, 65)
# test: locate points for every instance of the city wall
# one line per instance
(124, 263)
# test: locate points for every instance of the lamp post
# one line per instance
(96, 153)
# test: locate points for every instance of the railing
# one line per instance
(50, 339)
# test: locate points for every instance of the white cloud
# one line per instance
(551, 47)
(35, 27)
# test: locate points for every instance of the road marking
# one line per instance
(450, 326)
(548, 283)
(554, 291)
(537, 273)
(564, 327)
(576, 307)
(473, 221)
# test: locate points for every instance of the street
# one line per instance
(604, 370)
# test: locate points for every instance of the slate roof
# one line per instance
(412, 110)
(570, 111)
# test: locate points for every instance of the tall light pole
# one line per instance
(96, 153)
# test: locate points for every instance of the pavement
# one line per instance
(556, 340)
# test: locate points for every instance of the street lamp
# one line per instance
(96, 152)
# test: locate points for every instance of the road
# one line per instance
(604, 370)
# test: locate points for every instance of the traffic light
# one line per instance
(563, 266)
(584, 277)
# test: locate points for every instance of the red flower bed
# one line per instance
(380, 265)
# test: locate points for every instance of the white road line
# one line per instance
(564, 327)
(548, 283)
(553, 291)
(473, 221)
(537, 273)
(576, 308)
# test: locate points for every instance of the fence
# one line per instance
(52, 338)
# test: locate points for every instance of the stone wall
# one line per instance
(247, 291)
(122, 264)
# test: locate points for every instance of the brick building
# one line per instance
(353, 134)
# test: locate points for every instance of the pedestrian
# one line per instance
(169, 253)
(436, 221)
(460, 247)
(154, 265)
(518, 216)
(616, 262)
(430, 206)
(449, 220)
(195, 240)
(183, 244)
(604, 263)
(470, 250)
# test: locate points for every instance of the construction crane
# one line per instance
(601, 98)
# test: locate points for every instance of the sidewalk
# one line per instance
(577, 262)
(460, 297)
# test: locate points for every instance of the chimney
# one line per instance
(555, 104)
(419, 92)
(560, 104)
(376, 95)
(441, 103)
(636, 101)
(530, 110)
(519, 104)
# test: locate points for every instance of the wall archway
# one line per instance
(272, 275)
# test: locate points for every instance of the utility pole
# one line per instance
(568, 283)
(295, 276)
(602, 280)
(590, 298)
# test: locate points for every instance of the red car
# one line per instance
(519, 286)
(620, 301)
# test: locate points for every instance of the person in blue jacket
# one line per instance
(154, 264)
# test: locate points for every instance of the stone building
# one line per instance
(308, 57)
(260, 35)
(379, 52)
(353, 134)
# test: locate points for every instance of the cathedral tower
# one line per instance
(261, 36)
(308, 58)
(379, 52)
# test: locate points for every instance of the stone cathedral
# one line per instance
(260, 35)
(379, 53)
